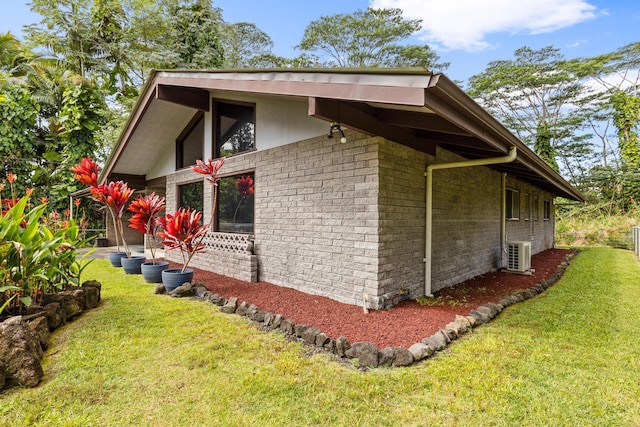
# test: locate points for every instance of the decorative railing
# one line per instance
(229, 242)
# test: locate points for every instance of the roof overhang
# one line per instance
(409, 106)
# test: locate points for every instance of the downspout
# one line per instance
(503, 218)
(513, 153)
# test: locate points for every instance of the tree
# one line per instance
(534, 93)
(542, 144)
(369, 38)
(18, 112)
(626, 115)
(66, 31)
(194, 40)
(245, 45)
(9, 52)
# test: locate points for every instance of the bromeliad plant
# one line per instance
(183, 230)
(113, 196)
(145, 218)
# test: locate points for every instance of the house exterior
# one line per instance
(348, 217)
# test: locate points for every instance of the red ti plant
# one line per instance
(245, 188)
(86, 172)
(114, 195)
(210, 169)
(183, 231)
(145, 215)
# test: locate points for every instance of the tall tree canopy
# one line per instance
(530, 95)
(369, 38)
(569, 111)
(244, 45)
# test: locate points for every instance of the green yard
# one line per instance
(567, 357)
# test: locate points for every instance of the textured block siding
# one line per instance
(317, 216)
(340, 220)
(402, 219)
(466, 222)
(541, 233)
(239, 266)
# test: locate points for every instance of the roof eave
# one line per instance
(442, 88)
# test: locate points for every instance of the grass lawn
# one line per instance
(567, 357)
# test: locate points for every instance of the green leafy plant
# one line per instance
(34, 259)
(430, 301)
(4, 289)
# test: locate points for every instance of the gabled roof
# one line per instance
(410, 106)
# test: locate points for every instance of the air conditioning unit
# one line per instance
(518, 256)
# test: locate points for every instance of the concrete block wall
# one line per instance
(466, 222)
(344, 220)
(236, 265)
(317, 216)
(402, 219)
(540, 232)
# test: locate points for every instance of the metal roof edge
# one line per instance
(447, 88)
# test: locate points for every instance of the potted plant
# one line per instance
(113, 196)
(182, 231)
(144, 219)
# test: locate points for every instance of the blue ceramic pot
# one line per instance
(152, 273)
(115, 257)
(132, 265)
(173, 277)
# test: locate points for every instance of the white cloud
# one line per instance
(464, 24)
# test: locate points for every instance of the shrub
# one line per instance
(34, 259)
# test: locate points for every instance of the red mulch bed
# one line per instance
(401, 326)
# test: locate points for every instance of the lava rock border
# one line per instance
(366, 352)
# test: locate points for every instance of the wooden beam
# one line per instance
(360, 117)
(419, 120)
(137, 182)
(186, 96)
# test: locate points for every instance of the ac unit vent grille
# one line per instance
(518, 256)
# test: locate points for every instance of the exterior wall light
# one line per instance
(336, 127)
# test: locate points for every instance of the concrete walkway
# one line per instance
(102, 253)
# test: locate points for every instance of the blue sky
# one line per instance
(467, 33)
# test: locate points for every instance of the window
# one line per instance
(547, 210)
(527, 207)
(535, 208)
(235, 128)
(236, 203)
(513, 204)
(191, 195)
(190, 143)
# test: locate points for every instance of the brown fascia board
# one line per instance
(411, 87)
(305, 83)
(448, 100)
(359, 86)
(355, 116)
